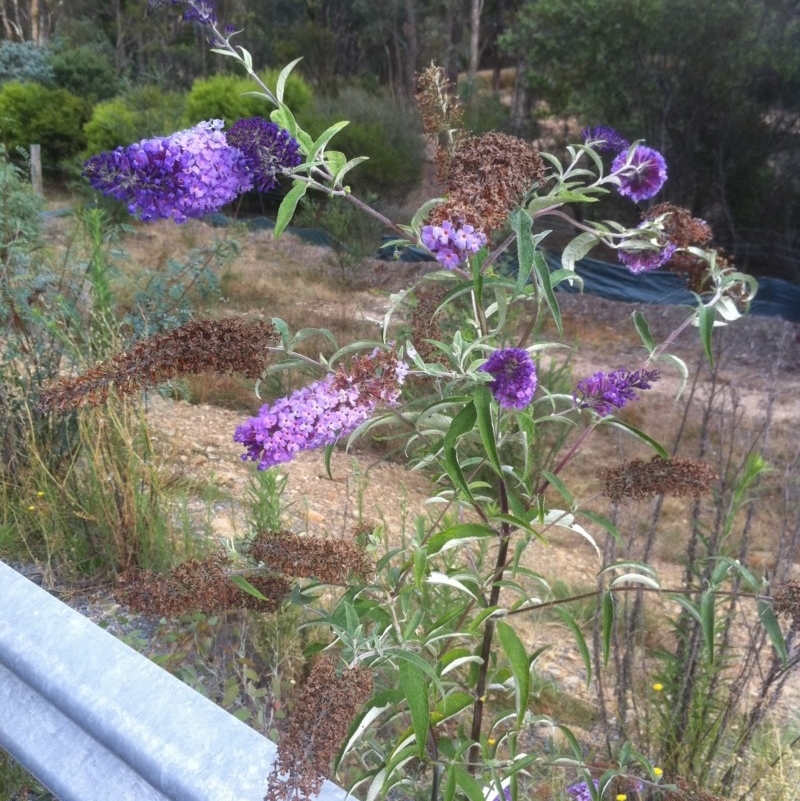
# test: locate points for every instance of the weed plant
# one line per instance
(422, 680)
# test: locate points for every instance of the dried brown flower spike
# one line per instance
(638, 479)
(221, 346)
(317, 729)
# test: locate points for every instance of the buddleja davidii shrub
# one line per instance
(435, 619)
(34, 114)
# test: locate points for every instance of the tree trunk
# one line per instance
(412, 43)
(521, 100)
(476, 6)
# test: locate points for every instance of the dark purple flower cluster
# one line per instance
(318, 415)
(514, 376)
(451, 244)
(642, 260)
(190, 173)
(605, 140)
(268, 150)
(202, 11)
(641, 173)
(605, 392)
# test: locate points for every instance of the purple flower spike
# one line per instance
(514, 376)
(187, 174)
(450, 244)
(581, 792)
(318, 415)
(605, 140)
(642, 174)
(268, 150)
(604, 392)
(642, 261)
(202, 11)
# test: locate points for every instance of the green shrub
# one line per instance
(388, 134)
(225, 97)
(143, 112)
(23, 62)
(34, 114)
(87, 71)
(222, 97)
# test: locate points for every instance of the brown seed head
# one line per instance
(330, 561)
(317, 729)
(197, 585)
(787, 601)
(638, 479)
(487, 177)
(221, 346)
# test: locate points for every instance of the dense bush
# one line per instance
(87, 71)
(226, 97)
(34, 114)
(24, 62)
(388, 134)
(142, 112)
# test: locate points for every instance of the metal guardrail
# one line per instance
(93, 720)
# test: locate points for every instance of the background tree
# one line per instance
(714, 85)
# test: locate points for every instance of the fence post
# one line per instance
(36, 170)
(94, 720)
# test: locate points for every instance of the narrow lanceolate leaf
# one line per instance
(608, 624)
(705, 324)
(483, 409)
(520, 666)
(643, 328)
(414, 685)
(638, 433)
(522, 225)
(288, 206)
(462, 423)
(577, 249)
(243, 584)
(457, 535)
(707, 605)
(283, 77)
(769, 621)
(545, 283)
(580, 640)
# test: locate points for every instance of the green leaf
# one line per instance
(457, 535)
(288, 206)
(707, 609)
(346, 167)
(325, 137)
(609, 609)
(643, 328)
(468, 785)
(648, 440)
(483, 409)
(243, 584)
(705, 324)
(414, 685)
(545, 282)
(462, 424)
(580, 640)
(769, 620)
(522, 225)
(577, 249)
(520, 666)
(283, 76)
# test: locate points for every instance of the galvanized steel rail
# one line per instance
(93, 720)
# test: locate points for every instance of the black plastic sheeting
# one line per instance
(775, 297)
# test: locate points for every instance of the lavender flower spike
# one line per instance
(318, 415)
(514, 376)
(647, 259)
(451, 244)
(187, 174)
(604, 392)
(641, 174)
(268, 150)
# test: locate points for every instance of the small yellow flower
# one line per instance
(491, 740)
(622, 797)
(31, 508)
(40, 494)
(658, 687)
(658, 772)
